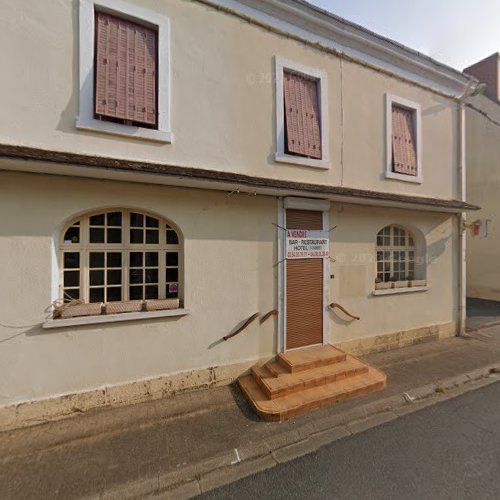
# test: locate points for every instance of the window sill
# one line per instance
(299, 160)
(113, 318)
(396, 291)
(122, 130)
(405, 178)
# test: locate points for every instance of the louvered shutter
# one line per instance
(125, 70)
(404, 153)
(302, 115)
(304, 287)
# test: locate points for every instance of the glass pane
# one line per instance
(71, 260)
(152, 222)
(114, 218)
(114, 235)
(97, 220)
(172, 275)
(380, 256)
(70, 295)
(96, 278)
(135, 259)
(72, 235)
(172, 291)
(96, 295)
(96, 259)
(380, 240)
(136, 220)
(114, 277)
(172, 238)
(71, 278)
(114, 259)
(172, 259)
(136, 236)
(114, 294)
(151, 276)
(152, 236)
(135, 292)
(136, 276)
(152, 259)
(96, 235)
(151, 292)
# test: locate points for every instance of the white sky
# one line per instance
(455, 32)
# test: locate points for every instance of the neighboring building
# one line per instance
(483, 181)
(151, 155)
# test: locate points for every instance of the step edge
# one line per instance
(265, 413)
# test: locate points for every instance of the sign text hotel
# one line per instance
(305, 244)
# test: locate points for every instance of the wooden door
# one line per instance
(304, 288)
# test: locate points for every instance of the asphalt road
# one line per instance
(450, 450)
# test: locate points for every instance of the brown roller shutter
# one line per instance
(304, 219)
(404, 152)
(302, 115)
(304, 288)
(125, 70)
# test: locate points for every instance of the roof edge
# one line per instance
(354, 195)
(321, 27)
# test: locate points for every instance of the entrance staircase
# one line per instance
(299, 381)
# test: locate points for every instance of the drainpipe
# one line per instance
(473, 88)
(461, 218)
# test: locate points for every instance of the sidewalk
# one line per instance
(193, 442)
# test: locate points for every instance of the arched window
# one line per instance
(395, 254)
(120, 255)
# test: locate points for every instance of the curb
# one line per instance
(251, 459)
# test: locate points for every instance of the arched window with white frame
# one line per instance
(396, 252)
(120, 255)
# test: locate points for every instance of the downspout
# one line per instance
(461, 219)
(474, 87)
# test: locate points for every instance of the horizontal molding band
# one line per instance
(277, 187)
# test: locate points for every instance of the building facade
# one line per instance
(160, 160)
(483, 181)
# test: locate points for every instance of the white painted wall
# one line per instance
(230, 252)
(223, 102)
(483, 188)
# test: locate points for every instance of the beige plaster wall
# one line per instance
(483, 189)
(223, 107)
(230, 252)
(353, 246)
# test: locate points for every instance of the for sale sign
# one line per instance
(305, 244)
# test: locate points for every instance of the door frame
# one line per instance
(300, 204)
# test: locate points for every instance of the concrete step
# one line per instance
(288, 383)
(297, 403)
(312, 357)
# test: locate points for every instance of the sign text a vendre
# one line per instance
(306, 244)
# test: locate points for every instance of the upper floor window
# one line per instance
(118, 256)
(301, 110)
(124, 70)
(403, 140)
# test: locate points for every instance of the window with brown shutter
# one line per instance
(404, 150)
(302, 115)
(125, 71)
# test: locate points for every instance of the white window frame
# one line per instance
(281, 156)
(85, 119)
(84, 247)
(417, 124)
